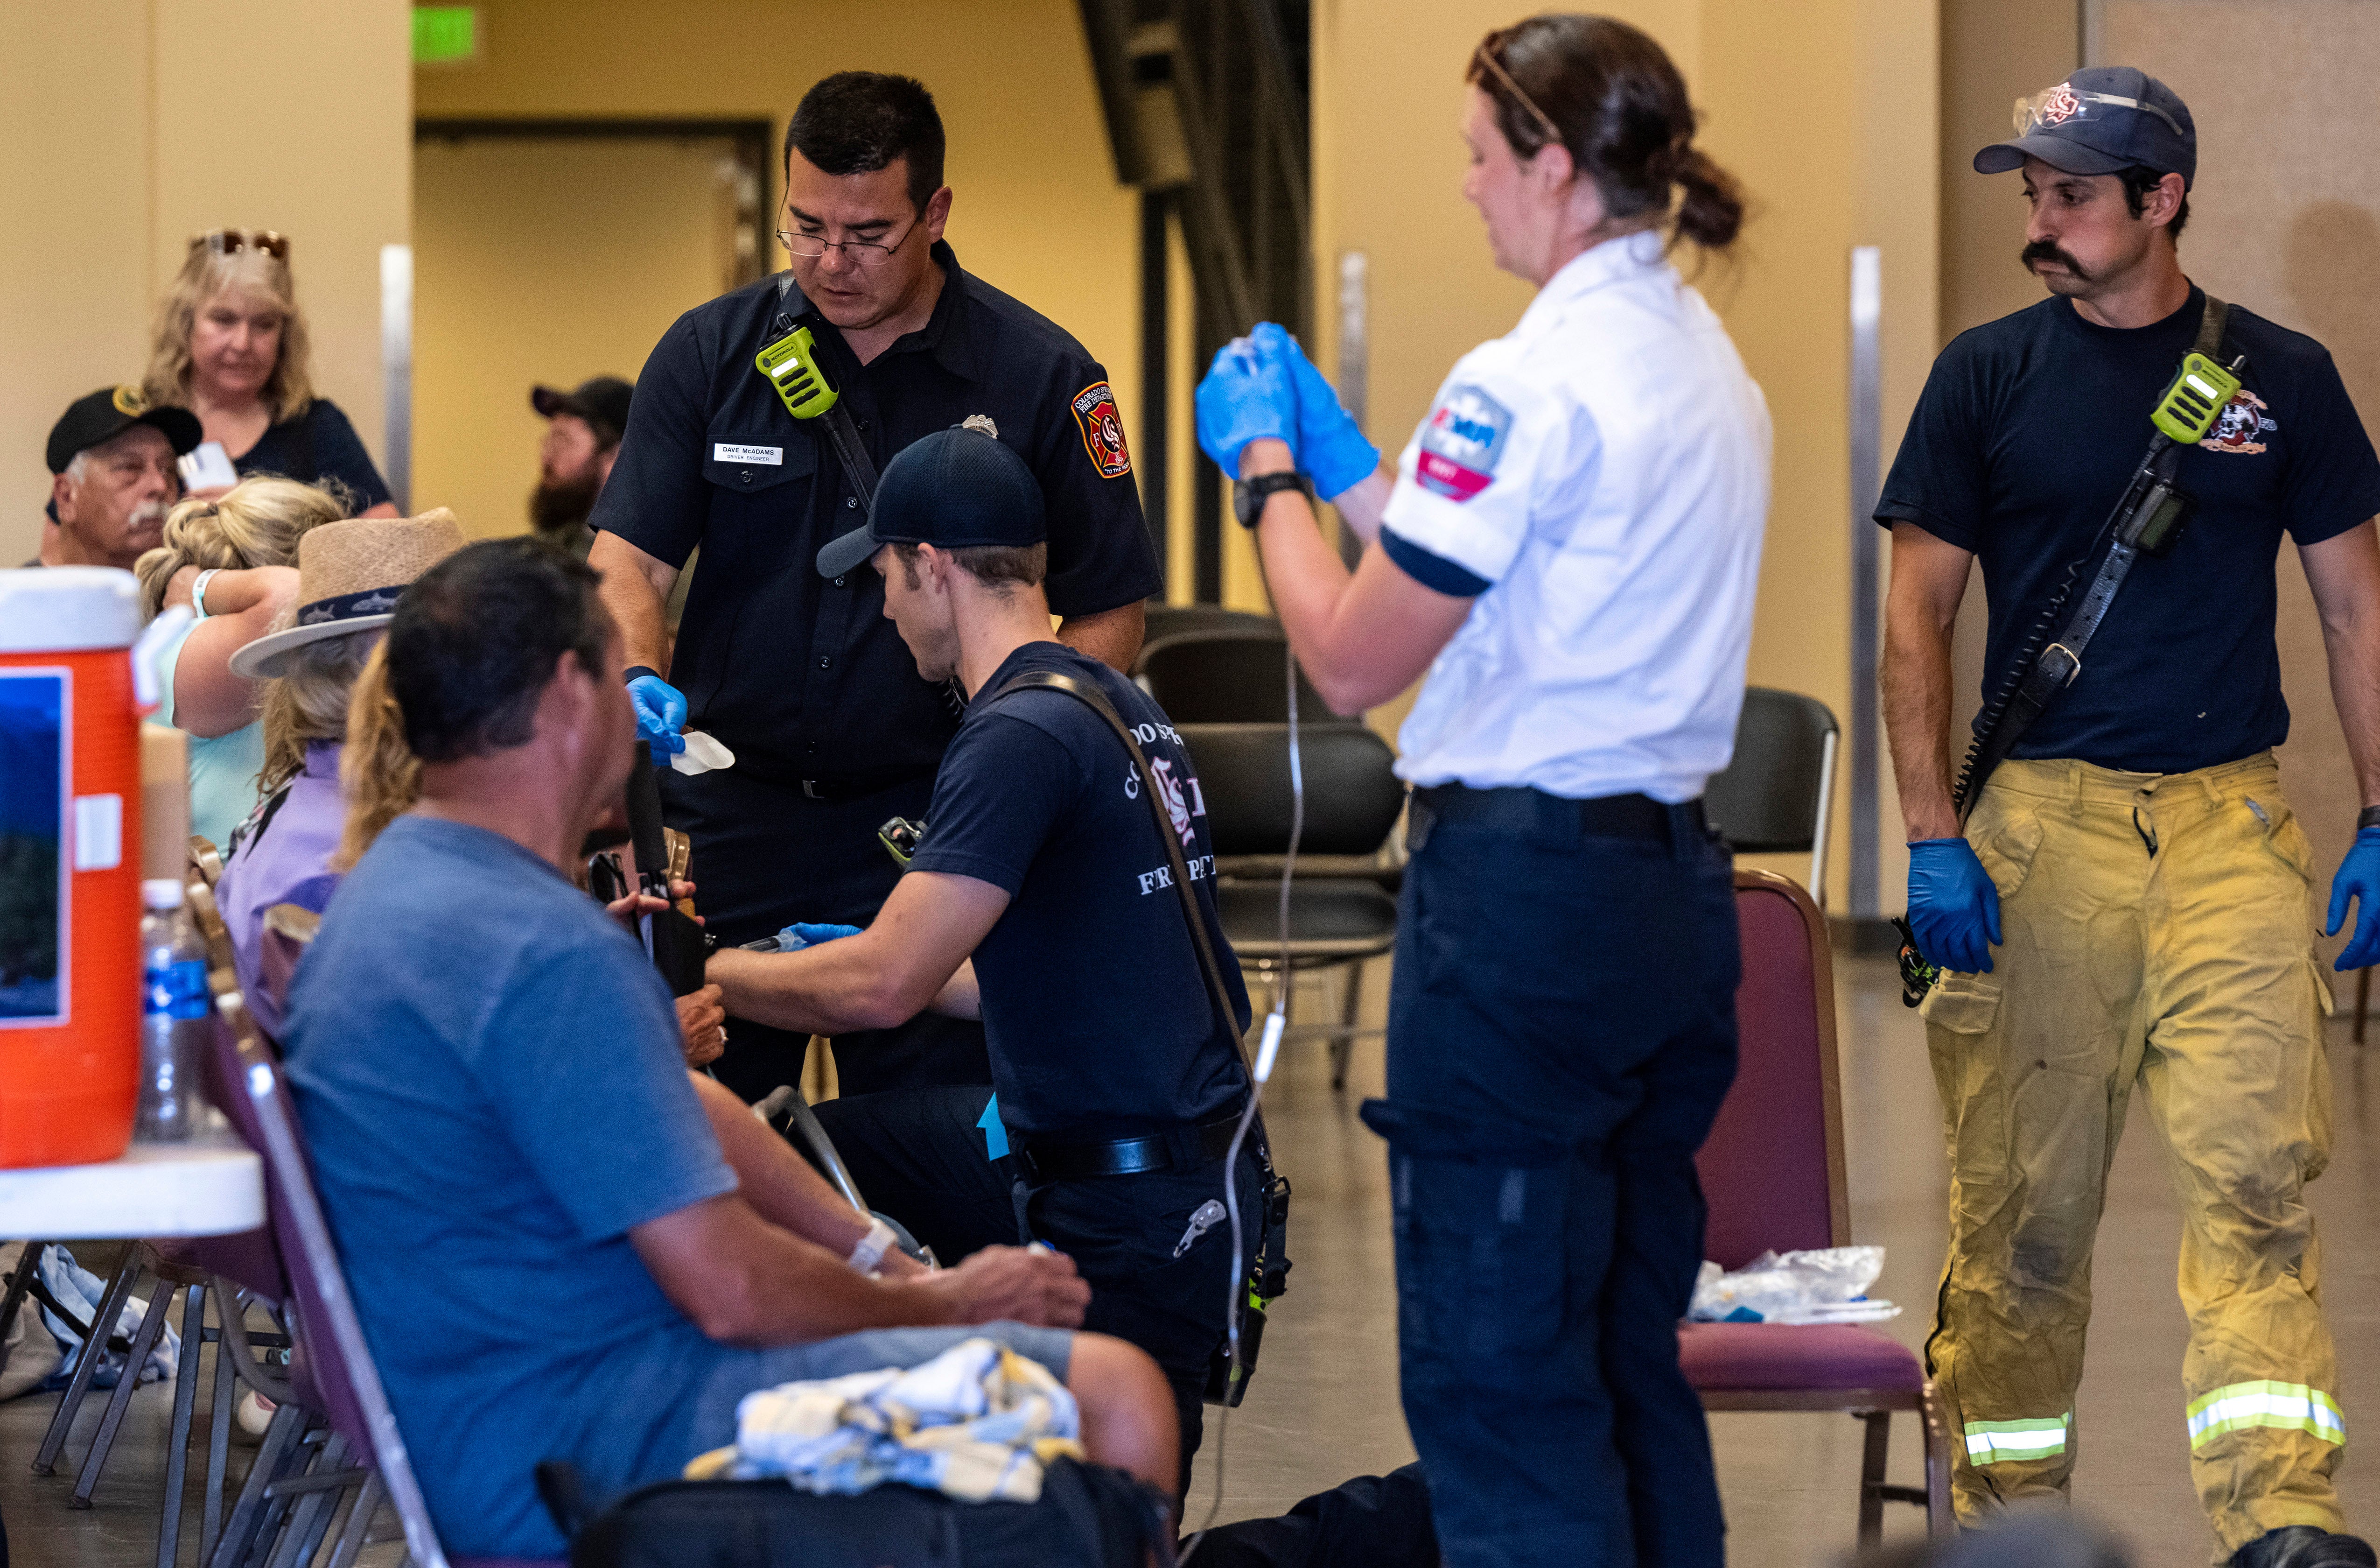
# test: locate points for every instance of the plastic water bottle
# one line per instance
(173, 1016)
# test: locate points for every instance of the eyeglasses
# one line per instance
(2055, 105)
(859, 253)
(1484, 57)
(223, 241)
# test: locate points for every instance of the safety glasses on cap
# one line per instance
(2055, 105)
(224, 241)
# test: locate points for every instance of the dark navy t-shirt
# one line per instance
(2023, 443)
(1097, 1013)
(487, 1068)
(319, 445)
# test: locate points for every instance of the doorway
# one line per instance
(549, 251)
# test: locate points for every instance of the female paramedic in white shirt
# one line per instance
(1570, 550)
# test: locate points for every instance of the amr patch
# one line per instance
(1461, 442)
(2237, 428)
(1095, 410)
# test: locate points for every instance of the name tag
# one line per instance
(727, 452)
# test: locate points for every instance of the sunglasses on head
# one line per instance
(223, 241)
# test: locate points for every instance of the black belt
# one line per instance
(1519, 809)
(1059, 1162)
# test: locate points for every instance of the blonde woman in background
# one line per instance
(231, 346)
(230, 560)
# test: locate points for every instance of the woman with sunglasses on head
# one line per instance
(1569, 550)
(230, 345)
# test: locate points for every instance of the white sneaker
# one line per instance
(253, 1413)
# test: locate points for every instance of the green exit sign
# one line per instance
(446, 35)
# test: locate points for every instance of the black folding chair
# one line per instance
(1353, 799)
(1777, 794)
(1173, 620)
(1227, 675)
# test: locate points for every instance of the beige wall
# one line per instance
(545, 261)
(131, 125)
(1826, 109)
(1038, 209)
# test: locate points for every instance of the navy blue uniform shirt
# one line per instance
(2026, 435)
(1096, 1009)
(803, 678)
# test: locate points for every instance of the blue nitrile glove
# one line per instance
(811, 935)
(2359, 878)
(1329, 448)
(1245, 397)
(661, 713)
(1953, 907)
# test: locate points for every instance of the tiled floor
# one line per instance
(1324, 1404)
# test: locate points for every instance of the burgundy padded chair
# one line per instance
(332, 1368)
(1773, 1173)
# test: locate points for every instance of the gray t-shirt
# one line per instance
(488, 1073)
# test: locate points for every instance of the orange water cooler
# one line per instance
(69, 865)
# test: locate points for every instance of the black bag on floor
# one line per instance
(1088, 1516)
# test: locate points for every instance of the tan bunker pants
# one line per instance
(2157, 930)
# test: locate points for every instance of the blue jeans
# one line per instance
(1562, 1031)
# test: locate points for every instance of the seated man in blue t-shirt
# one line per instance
(561, 1244)
(1119, 1078)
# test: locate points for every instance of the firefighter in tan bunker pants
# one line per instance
(2127, 904)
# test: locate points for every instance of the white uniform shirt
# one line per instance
(1598, 477)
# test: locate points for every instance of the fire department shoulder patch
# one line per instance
(1095, 410)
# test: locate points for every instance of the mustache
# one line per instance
(148, 511)
(2047, 250)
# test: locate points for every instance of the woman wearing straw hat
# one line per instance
(327, 685)
(349, 574)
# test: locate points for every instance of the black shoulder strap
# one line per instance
(2211, 325)
(1097, 701)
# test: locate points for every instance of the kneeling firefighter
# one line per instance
(1066, 849)
(2119, 833)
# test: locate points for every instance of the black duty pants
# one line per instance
(1562, 1031)
(918, 1156)
(765, 855)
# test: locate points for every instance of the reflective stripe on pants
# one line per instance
(2158, 932)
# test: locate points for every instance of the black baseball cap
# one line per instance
(601, 401)
(956, 489)
(2097, 121)
(100, 417)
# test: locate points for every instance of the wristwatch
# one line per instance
(1248, 496)
(2368, 818)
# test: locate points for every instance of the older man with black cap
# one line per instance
(1114, 1041)
(113, 465)
(2119, 832)
(582, 439)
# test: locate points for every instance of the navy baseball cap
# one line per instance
(956, 489)
(2097, 121)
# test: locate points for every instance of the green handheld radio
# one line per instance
(791, 364)
(2191, 406)
(793, 367)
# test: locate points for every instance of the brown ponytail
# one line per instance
(1710, 212)
(378, 772)
(1620, 110)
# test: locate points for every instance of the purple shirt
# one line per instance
(286, 860)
